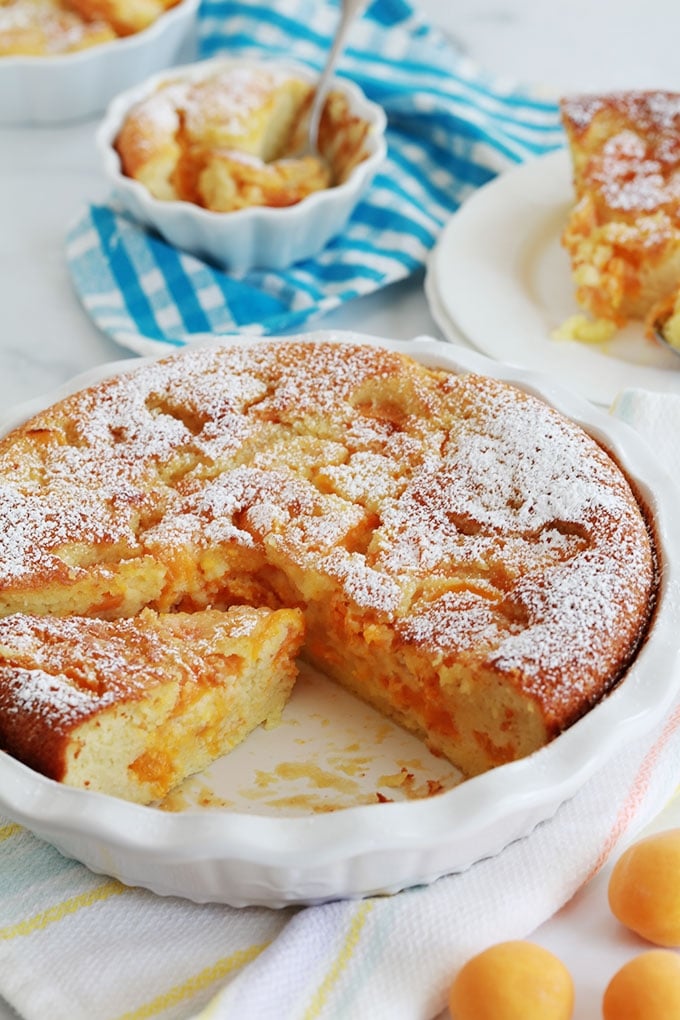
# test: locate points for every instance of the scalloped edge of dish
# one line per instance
(241, 859)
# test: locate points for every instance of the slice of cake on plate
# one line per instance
(623, 232)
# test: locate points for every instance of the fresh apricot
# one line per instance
(645, 988)
(512, 981)
(644, 888)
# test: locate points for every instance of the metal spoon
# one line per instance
(349, 10)
(661, 339)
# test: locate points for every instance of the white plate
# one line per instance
(256, 827)
(500, 276)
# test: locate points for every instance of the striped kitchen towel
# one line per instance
(450, 130)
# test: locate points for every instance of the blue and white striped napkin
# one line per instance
(450, 130)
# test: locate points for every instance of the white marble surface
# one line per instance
(581, 44)
(46, 177)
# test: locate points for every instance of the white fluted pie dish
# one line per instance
(248, 832)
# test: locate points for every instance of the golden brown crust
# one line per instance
(49, 27)
(623, 234)
(148, 143)
(125, 16)
(467, 559)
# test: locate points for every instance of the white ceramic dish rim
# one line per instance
(103, 51)
(160, 211)
(475, 810)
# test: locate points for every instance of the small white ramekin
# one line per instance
(253, 238)
(72, 86)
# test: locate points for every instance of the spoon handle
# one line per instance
(350, 9)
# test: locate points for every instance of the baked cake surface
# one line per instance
(623, 234)
(125, 16)
(50, 27)
(232, 139)
(46, 27)
(466, 559)
(133, 706)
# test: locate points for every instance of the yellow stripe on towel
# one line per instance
(348, 947)
(61, 910)
(7, 831)
(196, 983)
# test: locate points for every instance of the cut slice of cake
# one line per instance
(132, 707)
(623, 233)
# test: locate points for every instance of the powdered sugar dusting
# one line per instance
(226, 103)
(632, 162)
(655, 111)
(66, 669)
(472, 521)
(35, 693)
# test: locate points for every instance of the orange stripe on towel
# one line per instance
(637, 792)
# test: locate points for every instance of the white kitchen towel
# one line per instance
(77, 946)
(451, 128)
(656, 417)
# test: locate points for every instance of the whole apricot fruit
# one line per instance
(644, 888)
(512, 981)
(645, 988)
